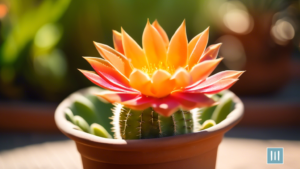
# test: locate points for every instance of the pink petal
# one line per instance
(139, 103)
(229, 74)
(165, 106)
(96, 79)
(117, 97)
(194, 84)
(217, 86)
(108, 72)
(192, 100)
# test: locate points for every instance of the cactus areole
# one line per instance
(155, 88)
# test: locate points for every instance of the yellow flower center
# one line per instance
(151, 68)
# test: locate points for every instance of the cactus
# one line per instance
(90, 115)
(85, 113)
(69, 115)
(159, 76)
(95, 129)
(207, 124)
(224, 107)
(98, 130)
(135, 124)
(82, 124)
(144, 124)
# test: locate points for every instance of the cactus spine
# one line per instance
(87, 113)
(144, 124)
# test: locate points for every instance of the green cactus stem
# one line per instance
(166, 126)
(189, 121)
(81, 123)
(224, 107)
(132, 128)
(134, 124)
(179, 122)
(69, 115)
(150, 128)
(100, 131)
(206, 113)
(207, 124)
(84, 108)
(86, 114)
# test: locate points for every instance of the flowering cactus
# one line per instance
(155, 88)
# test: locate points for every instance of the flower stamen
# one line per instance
(151, 68)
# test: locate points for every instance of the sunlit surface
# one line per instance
(232, 153)
(233, 52)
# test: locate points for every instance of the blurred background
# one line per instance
(42, 43)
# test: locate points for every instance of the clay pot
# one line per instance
(195, 150)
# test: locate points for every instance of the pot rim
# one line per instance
(134, 145)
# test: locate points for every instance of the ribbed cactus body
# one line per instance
(149, 124)
(166, 126)
(90, 115)
(144, 124)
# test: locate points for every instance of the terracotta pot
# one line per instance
(195, 150)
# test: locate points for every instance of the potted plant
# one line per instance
(167, 112)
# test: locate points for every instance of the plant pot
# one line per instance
(195, 150)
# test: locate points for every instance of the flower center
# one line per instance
(151, 68)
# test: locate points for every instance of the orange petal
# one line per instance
(140, 81)
(199, 48)
(161, 83)
(182, 78)
(96, 79)
(154, 45)
(193, 43)
(117, 97)
(210, 53)
(115, 58)
(162, 32)
(117, 38)
(203, 70)
(177, 52)
(133, 51)
(104, 68)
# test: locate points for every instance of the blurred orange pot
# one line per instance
(195, 150)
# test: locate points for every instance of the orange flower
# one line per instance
(165, 75)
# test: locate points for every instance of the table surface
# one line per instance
(234, 153)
